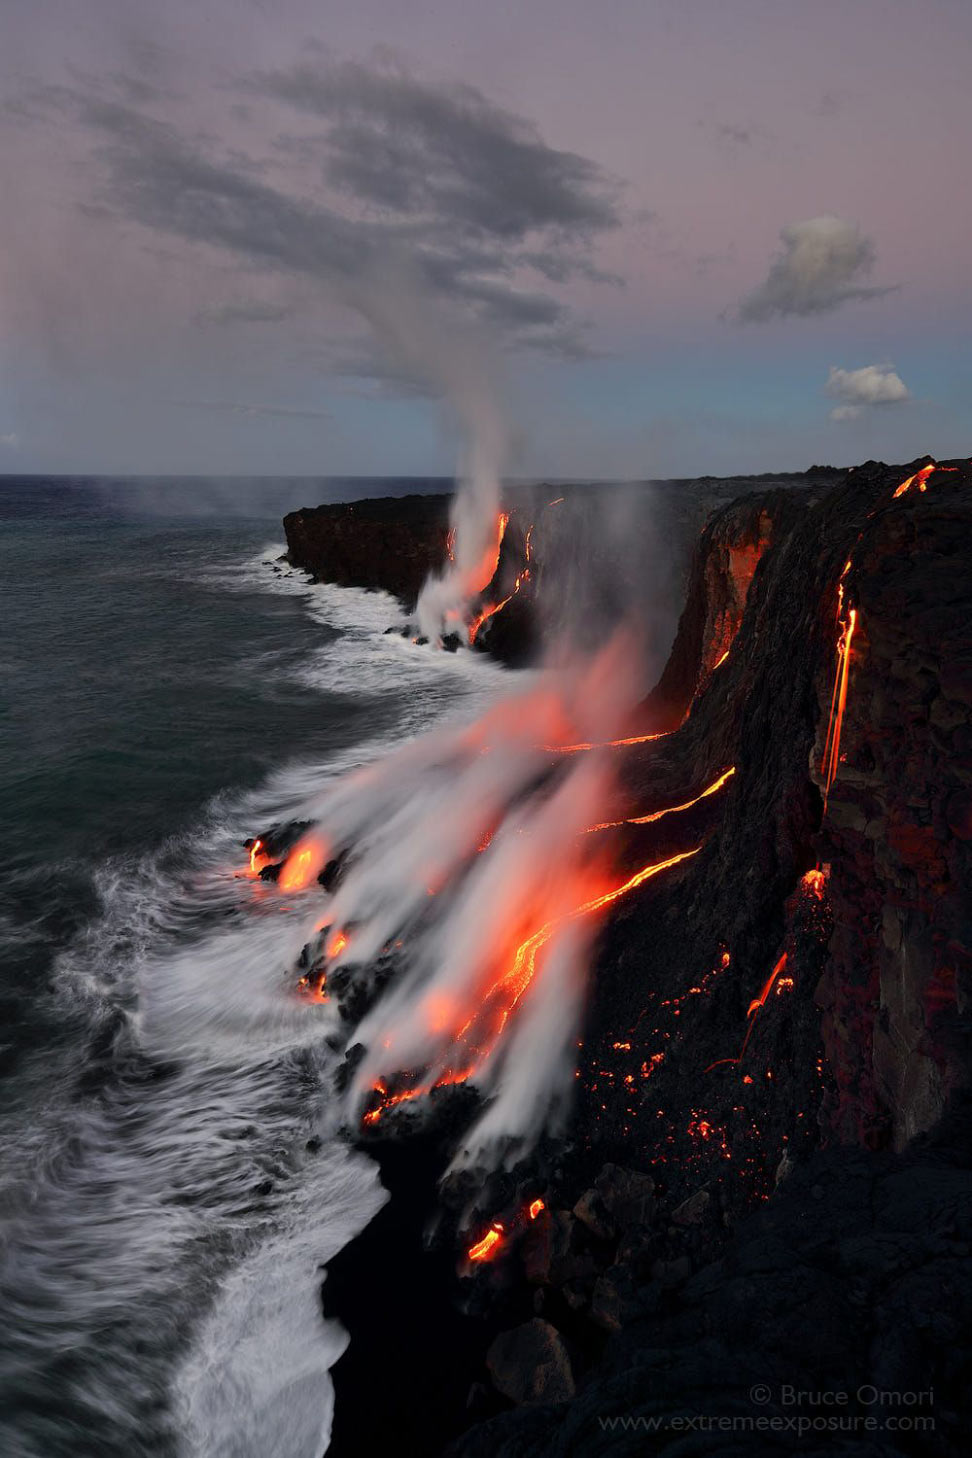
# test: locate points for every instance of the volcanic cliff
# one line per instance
(767, 1175)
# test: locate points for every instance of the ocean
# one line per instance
(172, 1173)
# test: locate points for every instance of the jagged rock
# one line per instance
(670, 1274)
(692, 1211)
(591, 1212)
(614, 1300)
(530, 1364)
(546, 1245)
(627, 1195)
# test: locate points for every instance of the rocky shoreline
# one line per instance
(765, 1180)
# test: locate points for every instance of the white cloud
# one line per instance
(876, 384)
(821, 265)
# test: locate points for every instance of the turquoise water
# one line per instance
(171, 1175)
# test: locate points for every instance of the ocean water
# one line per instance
(172, 1177)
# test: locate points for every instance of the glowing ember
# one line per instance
(487, 1247)
(535, 1208)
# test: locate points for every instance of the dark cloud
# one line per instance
(402, 144)
(821, 265)
(435, 183)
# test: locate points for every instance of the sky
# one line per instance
(639, 238)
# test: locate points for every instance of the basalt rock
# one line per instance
(387, 543)
(802, 980)
(530, 1364)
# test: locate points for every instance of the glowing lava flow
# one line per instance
(838, 703)
(672, 809)
(502, 997)
(757, 1004)
(920, 478)
(303, 865)
(486, 1248)
(607, 743)
(255, 850)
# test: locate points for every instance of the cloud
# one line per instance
(431, 182)
(821, 265)
(11, 440)
(444, 152)
(876, 384)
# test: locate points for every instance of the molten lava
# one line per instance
(919, 479)
(838, 703)
(487, 1247)
(255, 855)
(304, 864)
(671, 809)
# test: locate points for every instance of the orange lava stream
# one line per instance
(838, 703)
(303, 864)
(759, 1001)
(255, 850)
(720, 661)
(502, 997)
(607, 743)
(920, 477)
(754, 1007)
(486, 1248)
(671, 810)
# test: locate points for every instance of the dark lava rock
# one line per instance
(530, 1364)
(391, 543)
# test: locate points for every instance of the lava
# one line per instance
(535, 1207)
(607, 743)
(303, 865)
(255, 855)
(919, 479)
(671, 809)
(838, 703)
(487, 1247)
(760, 1001)
(753, 1010)
(483, 1026)
(814, 883)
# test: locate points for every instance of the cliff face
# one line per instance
(802, 983)
(781, 1024)
(389, 543)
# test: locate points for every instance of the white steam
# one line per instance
(470, 869)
